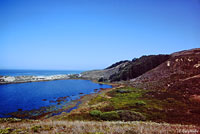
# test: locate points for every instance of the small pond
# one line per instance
(36, 95)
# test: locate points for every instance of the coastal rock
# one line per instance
(22, 79)
(95, 90)
(103, 75)
(61, 99)
(19, 109)
(8, 78)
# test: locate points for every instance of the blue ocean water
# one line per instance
(12, 72)
(34, 95)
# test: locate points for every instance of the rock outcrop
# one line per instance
(126, 70)
(138, 67)
(103, 75)
(23, 79)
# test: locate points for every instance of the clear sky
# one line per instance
(92, 34)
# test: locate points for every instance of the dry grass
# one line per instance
(94, 127)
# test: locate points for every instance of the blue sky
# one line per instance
(92, 34)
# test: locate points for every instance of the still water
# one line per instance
(34, 95)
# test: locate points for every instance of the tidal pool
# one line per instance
(35, 95)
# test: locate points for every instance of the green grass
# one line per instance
(130, 98)
(109, 116)
(132, 104)
(95, 113)
(5, 131)
(135, 100)
(98, 99)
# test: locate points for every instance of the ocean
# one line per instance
(15, 72)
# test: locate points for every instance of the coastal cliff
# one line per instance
(126, 70)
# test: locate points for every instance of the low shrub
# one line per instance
(113, 115)
(128, 115)
(140, 103)
(35, 128)
(123, 90)
(97, 99)
(5, 131)
(170, 100)
(95, 113)
(10, 120)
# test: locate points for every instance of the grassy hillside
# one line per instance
(134, 104)
(92, 127)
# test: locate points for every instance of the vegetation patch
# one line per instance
(134, 104)
(95, 113)
(109, 116)
(10, 120)
(94, 127)
(36, 128)
(128, 115)
(6, 130)
(127, 98)
(97, 99)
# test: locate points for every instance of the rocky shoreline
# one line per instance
(24, 79)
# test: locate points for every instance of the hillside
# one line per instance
(156, 94)
(181, 72)
(138, 67)
(178, 79)
(167, 91)
(126, 70)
